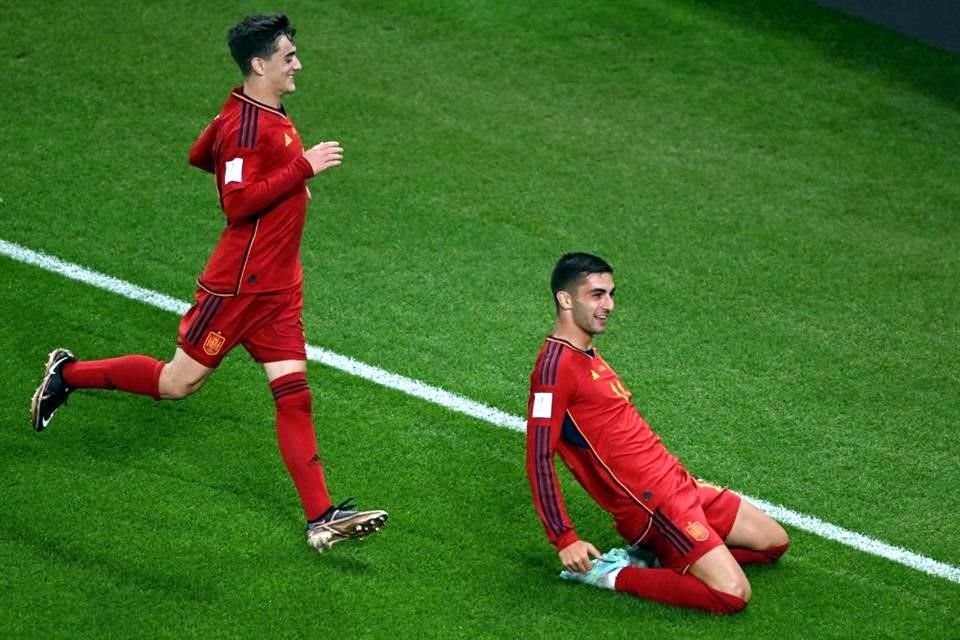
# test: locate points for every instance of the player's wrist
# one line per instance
(567, 539)
(306, 168)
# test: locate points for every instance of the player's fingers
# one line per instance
(327, 165)
(326, 148)
(592, 550)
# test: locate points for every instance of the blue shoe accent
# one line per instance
(602, 567)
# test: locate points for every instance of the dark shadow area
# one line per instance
(850, 41)
(936, 22)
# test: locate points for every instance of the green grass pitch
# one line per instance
(776, 186)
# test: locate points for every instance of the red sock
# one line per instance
(134, 374)
(763, 556)
(298, 442)
(670, 587)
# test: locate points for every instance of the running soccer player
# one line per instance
(251, 291)
(580, 409)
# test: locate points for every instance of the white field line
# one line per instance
(470, 408)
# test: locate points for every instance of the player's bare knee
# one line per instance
(739, 587)
(175, 391)
(778, 540)
(734, 592)
(175, 388)
(721, 573)
(734, 584)
(782, 538)
(768, 535)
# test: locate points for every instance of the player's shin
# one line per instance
(134, 374)
(298, 443)
(682, 590)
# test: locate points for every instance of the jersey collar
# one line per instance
(242, 97)
(589, 352)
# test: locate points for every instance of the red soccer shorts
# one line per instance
(690, 523)
(269, 326)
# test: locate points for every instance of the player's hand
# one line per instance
(576, 556)
(324, 156)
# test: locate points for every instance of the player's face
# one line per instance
(280, 68)
(593, 303)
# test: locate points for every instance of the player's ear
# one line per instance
(564, 300)
(256, 65)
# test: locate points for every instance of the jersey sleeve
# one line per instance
(201, 153)
(550, 391)
(249, 185)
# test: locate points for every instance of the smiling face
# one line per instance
(278, 70)
(584, 311)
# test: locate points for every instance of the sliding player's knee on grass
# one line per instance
(778, 533)
(731, 583)
(779, 542)
(719, 570)
(754, 529)
(738, 587)
(770, 536)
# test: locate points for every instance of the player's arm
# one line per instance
(552, 386)
(246, 192)
(254, 195)
(546, 407)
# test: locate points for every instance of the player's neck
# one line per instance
(573, 334)
(255, 90)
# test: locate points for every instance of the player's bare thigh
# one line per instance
(281, 368)
(182, 376)
(754, 529)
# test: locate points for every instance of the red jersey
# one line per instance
(579, 408)
(257, 157)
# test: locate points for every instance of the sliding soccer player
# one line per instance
(580, 409)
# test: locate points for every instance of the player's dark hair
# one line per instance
(256, 37)
(571, 268)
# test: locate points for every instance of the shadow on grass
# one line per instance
(850, 41)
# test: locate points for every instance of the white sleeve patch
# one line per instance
(233, 171)
(542, 405)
